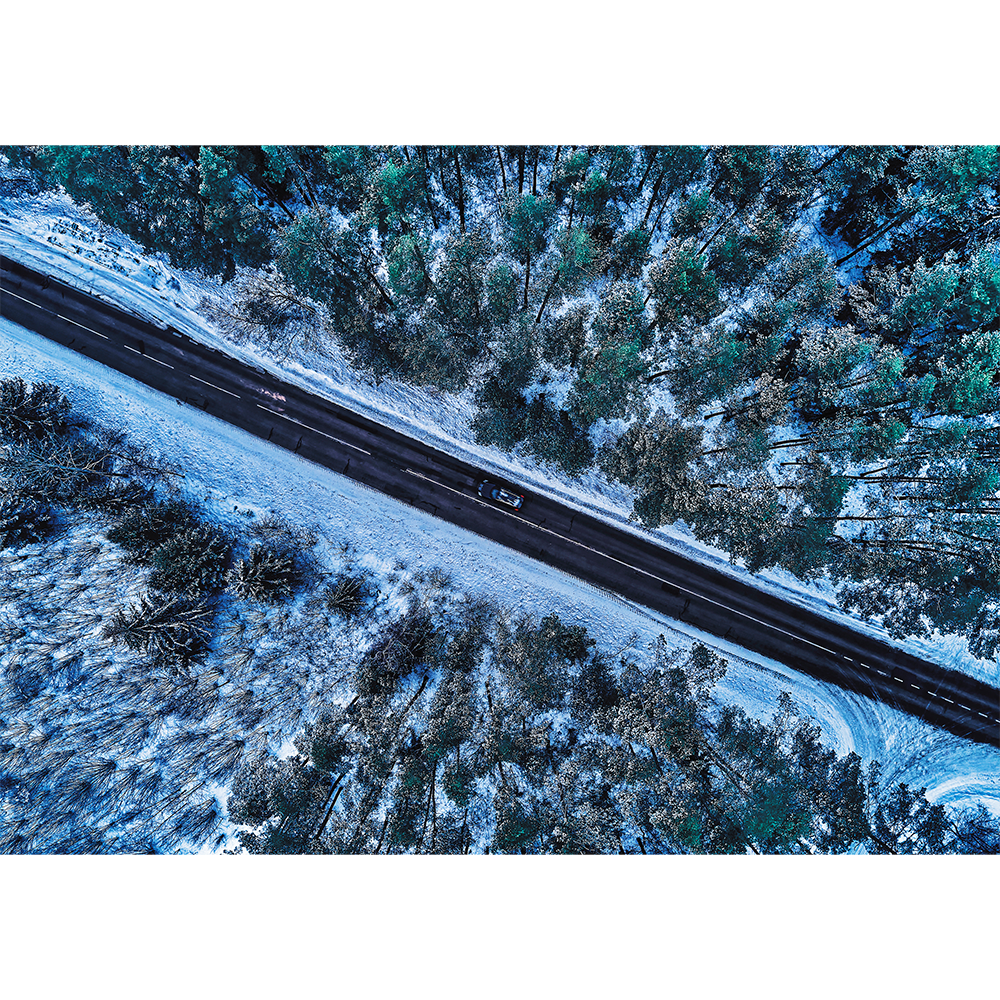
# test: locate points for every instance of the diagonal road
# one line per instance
(416, 474)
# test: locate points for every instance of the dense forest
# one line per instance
(791, 350)
(157, 661)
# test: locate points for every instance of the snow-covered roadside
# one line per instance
(53, 234)
(235, 470)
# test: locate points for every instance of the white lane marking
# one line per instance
(213, 386)
(420, 475)
(23, 299)
(149, 357)
(900, 679)
(718, 604)
(74, 322)
(914, 686)
(942, 697)
(315, 430)
(983, 714)
(966, 707)
(653, 576)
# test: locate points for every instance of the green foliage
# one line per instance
(657, 457)
(682, 287)
(392, 195)
(516, 828)
(553, 437)
(502, 408)
(142, 529)
(527, 220)
(739, 173)
(692, 216)
(265, 576)
(191, 562)
(609, 380)
(172, 630)
(744, 522)
(967, 377)
(628, 253)
(707, 364)
(31, 412)
(564, 338)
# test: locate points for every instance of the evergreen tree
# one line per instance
(192, 562)
(609, 380)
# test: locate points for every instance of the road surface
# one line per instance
(552, 532)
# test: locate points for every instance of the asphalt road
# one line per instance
(551, 532)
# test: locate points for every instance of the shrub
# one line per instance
(192, 562)
(348, 594)
(144, 529)
(31, 413)
(23, 521)
(265, 576)
(173, 630)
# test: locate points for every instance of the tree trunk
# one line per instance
(381, 836)
(896, 220)
(708, 242)
(520, 171)
(503, 173)
(548, 292)
(461, 192)
(335, 792)
(648, 171)
(836, 156)
(652, 197)
(534, 173)
(552, 174)
(427, 187)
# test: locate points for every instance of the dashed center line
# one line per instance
(74, 322)
(652, 576)
(538, 527)
(21, 297)
(315, 430)
(149, 357)
(213, 386)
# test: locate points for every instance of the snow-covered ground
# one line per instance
(53, 234)
(234, 472)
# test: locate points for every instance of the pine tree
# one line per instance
(265, 575)
(24, 522)
(33, 412)
(609, 380)
(192, 562)
(172, 630)
(682, 287)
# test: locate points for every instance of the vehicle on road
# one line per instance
(491, 491)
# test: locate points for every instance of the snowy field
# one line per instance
(232, 472)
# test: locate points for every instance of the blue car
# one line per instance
(491, 491)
